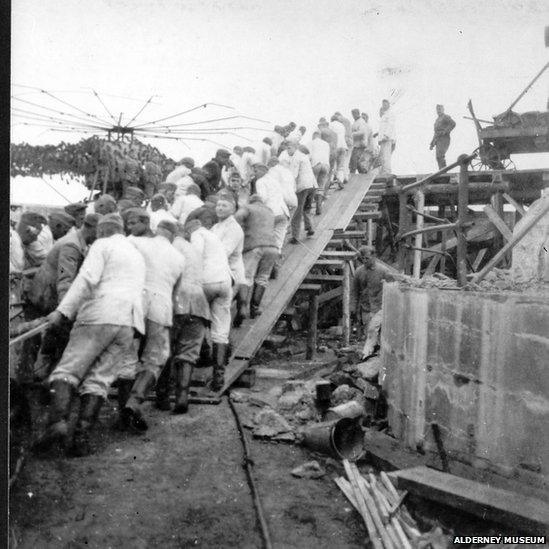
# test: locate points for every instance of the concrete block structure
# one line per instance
(475, 363)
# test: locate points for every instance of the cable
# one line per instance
(141, 110)
(202, 106)
(247, 465)
(213, 120)
(104, 106)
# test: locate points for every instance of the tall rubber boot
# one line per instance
(124, 387)
(220, 358)
(132, 414)
(183, 373)
(241, 300)
(163, 388)
(257, 296)
(61, 393)
(89, 410)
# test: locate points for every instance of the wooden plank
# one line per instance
(313, 288)
(498, 223)
(479, 258)
(348, 234)
(346, 316)
(310, 349)
(323, 278)
(362, 216)
(514, 203)
(527, 513)
(338, 254)
(332, 294)
(328, 263)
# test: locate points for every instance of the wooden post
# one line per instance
(346, 319)
(402, 228)
(463, 204)
(419, 199)
(313, 321)
(370, 231)
(497, 204)
(442, 215)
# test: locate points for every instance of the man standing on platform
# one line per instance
(320, 161)
(441, 138)
(362, 137)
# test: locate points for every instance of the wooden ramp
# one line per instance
(338, 210)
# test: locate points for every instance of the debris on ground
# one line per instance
(269, 424)
(380, 505)
(344, 393)
(310, 469)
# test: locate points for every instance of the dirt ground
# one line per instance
(181, 485)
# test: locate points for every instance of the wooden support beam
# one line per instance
(510, 508)
(363, 216)
(329, 254)
(496, 202)
(313, 326)
(510, 245)
(518, 207)
(498, 223)
(331, 294)
(346, 318)
(312, 277)
(313, 288)
(479, 258)
(336, 263)
(463, 204)
(420, 205)
(348, 234)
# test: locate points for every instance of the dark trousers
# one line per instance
(301, 213)
(188, 334)
(441, 147)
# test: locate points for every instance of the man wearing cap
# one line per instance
(386, 136)
(135, 195)
(106, 302)
(348, 140)
(190, 322)
(163, 268)
(277, 137)
(186, 203)
(137, 222)
(263, 150)
(441, 138)
(328, 135)
(58, 225)
(341, 149)
(78, 212)
(216, 282)
(159, 211)
(213, 169)
(270, 191)
(231, 235)
(301, 169)
(260, 250)
(51, 283)
(320, 161)
(105, 204)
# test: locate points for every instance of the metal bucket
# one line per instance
(341, 438)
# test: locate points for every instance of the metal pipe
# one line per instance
(430, 228)
(420, 204)
(458, 162)
(528, 87)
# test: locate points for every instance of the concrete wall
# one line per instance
(475, 363)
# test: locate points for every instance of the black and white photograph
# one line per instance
(278, 274)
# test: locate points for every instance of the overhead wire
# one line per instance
(102, 103)
(201, 106)
(212, 120)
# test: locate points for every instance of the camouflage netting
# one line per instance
(111, 165)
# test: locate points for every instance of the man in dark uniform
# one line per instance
(441, 138)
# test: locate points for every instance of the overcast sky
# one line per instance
(284, 60)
